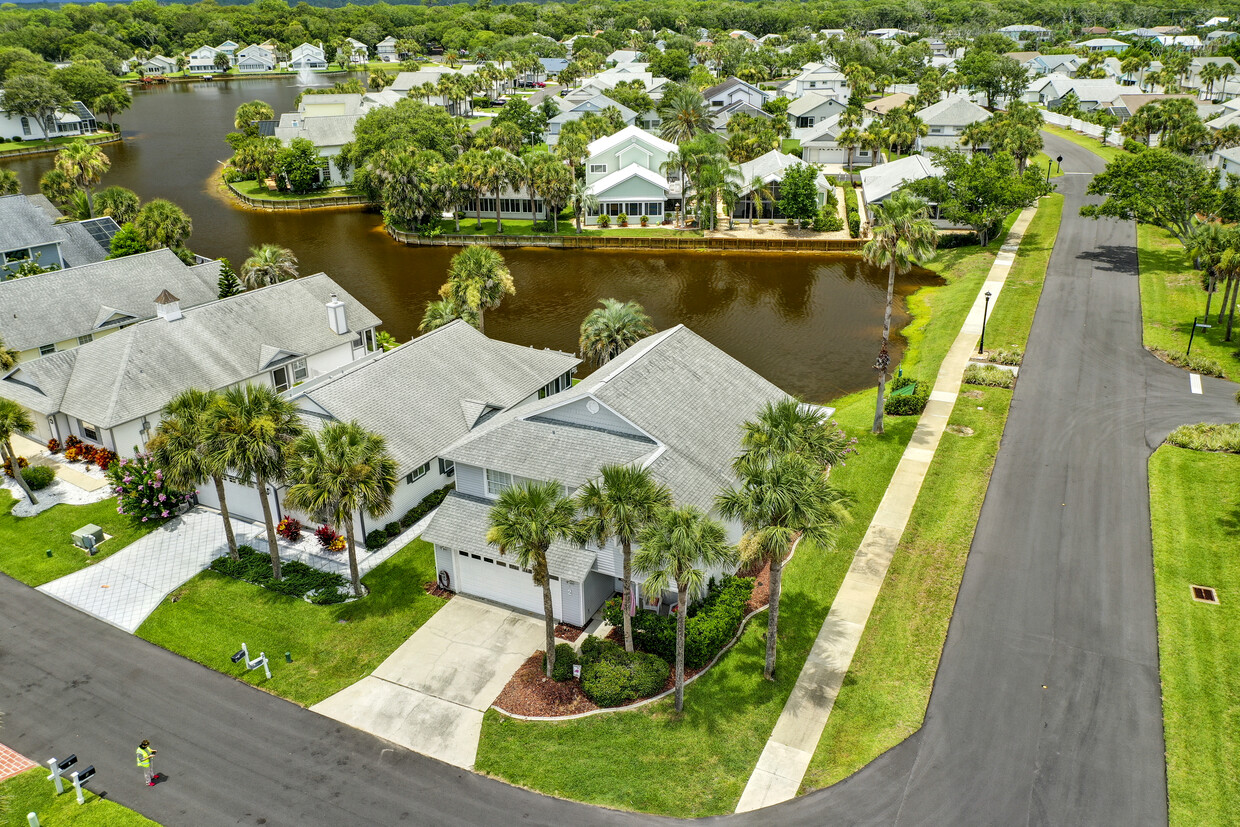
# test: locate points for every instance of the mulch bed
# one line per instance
(530, 692)
(565, 631)
(431, 587)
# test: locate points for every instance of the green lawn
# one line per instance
(255, 189)
(24, 541)
(39, 143)
(1172, 294)
(517, 226)
(1040, 161)
(332, 646)
(651, 760)
(1198, 658)
(888, 685)
(790, 146)
(1109, 153)
(1012, 314)
(31, 792)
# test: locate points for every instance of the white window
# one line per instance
(25, 126)
(89, 431)
(17, 255)
(446, 467)
(598, 168)
(87, 339)
(498, 482)
(936, 130)
(46, 349)
(418, 473)
(299, 371)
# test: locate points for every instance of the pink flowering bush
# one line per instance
(140, 489)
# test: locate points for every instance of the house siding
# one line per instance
(470, 479)
(576, 413)
(595, 591)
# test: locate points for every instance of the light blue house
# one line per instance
(625, 172)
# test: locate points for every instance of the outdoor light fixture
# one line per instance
(981, 345)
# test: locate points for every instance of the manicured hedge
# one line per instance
(948, 241)
(297, 579)
(712, 622)
(611, 677)
(38, 477)
(910, 405)
(380, 537)
(854, 211)
(565, 659)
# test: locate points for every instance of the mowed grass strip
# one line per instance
(25, 541)
(208, 619)
(885, 693)
(1107, 152)
(1172, 295)
(1011, 314)
(698, 764)
(31, 792)
(1195, 515)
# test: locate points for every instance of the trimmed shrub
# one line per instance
(22, 463)
(989, 376)
(565, 659)
(376, 539)
(710, 623)
(828, 220)
(53, 445)
(140, 489)
(1206, 436)
(910, 405)
(604, 221)
(289, 528)
(853, 209)
(393, 530)
(38, 477)
(429, 503)
(592, 649)
(948, 241)
(618, 677)
(1134, 146)
(1008, 357)
(326, 535)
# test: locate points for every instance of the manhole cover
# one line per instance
(1204, 594)
(960, 430)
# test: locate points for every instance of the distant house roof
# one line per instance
(885, 104)
(956, 110)
(811, 101)
(29, 221)
(1020, 28)
(732, 82)
(320, 130)
(881, 181)
(63, 304)
(136, 371)
(431, 391)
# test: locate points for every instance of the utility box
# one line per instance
(88, 537)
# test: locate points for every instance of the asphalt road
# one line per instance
(1058, 592)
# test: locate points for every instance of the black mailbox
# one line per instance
(236, 658)
(86, 774)
(68, 762)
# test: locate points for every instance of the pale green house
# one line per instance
(624, 171)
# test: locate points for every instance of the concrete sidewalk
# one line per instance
(787, 754)
(125, 588)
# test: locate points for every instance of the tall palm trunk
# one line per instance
(481, 328)
(682, 600)
(353, 573)
(533, 209)
(626, 549)
(7, 452)
(228, 529)
(548, 618)
(90, 202)
(478, 210)
(499, 222)
(1222, 308)
(882, 374)
(1210, 292)
(772, 618)
(272, 548)
(1231, 314)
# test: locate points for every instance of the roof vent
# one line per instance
(336, 319)
(168, 307)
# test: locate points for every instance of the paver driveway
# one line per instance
(125, 588)
(430, 694)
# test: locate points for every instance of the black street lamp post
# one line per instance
(981, 345)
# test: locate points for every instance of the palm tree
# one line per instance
(14, 419)
(182, 447)
(759, 193)
(582, 200)
(678, 547)
(340, 471)
(849, 137)
(445, 311)
(778, 501)
(684, 114)
(253, 428)
(555, 182)
(83, 164)
(268, 264)
(118, 202)
(790, 426)
(610, 330)
(619, 505)
(903, 236)
(526, 520)
(478, 279)
(160, 223)
(9, 183)
(112, 104)
(497, 170)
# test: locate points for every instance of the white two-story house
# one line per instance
(255, 59)
(202, 61)
(307, 56)
(625, 172)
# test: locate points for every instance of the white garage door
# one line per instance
(487, 576)
(243, 500)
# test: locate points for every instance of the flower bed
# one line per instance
(140, 489)
(297, 579)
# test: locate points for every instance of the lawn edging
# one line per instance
(49, 147)
(308, 203)
(740, 630)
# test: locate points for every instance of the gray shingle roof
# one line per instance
(79, 246)
(320, 130)
(956, 110)
(64, 304)
(429, 392)
(136, 371)
(22, 224)
(462, 522)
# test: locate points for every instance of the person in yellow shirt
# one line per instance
(144, 761)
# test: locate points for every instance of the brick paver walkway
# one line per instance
(11, 763)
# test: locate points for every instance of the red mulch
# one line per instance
(431, 587)
(531, 692)
(761, 589)
(566, 631)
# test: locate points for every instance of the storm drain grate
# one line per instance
(1204, 594)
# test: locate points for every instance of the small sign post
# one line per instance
(577, 671)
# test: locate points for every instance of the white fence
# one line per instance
(1085, 127)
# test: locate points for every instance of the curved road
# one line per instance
(1058, 591)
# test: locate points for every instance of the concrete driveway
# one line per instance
(431, 693)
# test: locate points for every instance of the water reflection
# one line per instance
(809, 323)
